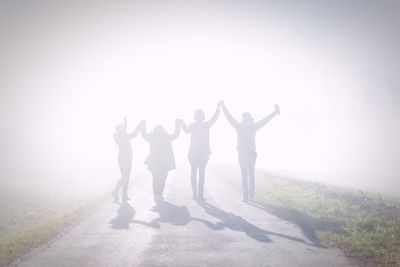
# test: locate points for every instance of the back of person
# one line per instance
(124, 146)
(246, 144)
(200, 140)
(161, 155)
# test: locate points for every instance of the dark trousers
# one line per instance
(247, 166)
(198, 165)
(159, 179)
(125, 167)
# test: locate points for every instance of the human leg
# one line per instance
(125, 180)
(118, 185)
(162, 181)
(116, 189)
(193, 177)
(245, 183)
(202, 171)
(155, 186)
(252, 166)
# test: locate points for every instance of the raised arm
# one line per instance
(136, 131)
(143, 131)
(228, 116)
(185, 128)
(177, 131)
(264, 121)
(125, 124)
(214, 117)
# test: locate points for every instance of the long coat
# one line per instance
(161, 156)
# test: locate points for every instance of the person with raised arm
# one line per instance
(122, 139)
(246, 145)
(161, 156)
(199, 150)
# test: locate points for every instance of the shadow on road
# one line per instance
(180, 216)
(237, 223)
(308, 225)
(125, 215)
(168, 214)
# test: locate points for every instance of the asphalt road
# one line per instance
(223, 231)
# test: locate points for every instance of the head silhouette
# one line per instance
(159, 131)
(120, 129)
(199, 115)
(247, 118)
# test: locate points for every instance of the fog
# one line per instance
(70, 72)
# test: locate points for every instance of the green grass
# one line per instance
(364, 227)
(29, 222)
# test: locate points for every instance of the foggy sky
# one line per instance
(32, 31)
(73, 64)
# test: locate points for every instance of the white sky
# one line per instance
(72, 74)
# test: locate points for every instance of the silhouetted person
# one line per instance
(246, 146)
(161, 157)
(122, 139)
(199, 150)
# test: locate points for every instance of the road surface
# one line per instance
(223, 231)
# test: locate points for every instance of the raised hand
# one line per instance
(143, 125)
(277, 110)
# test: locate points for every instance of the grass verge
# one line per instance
(44, 221)
(365, 226)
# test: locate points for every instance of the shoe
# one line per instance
(158, 199)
